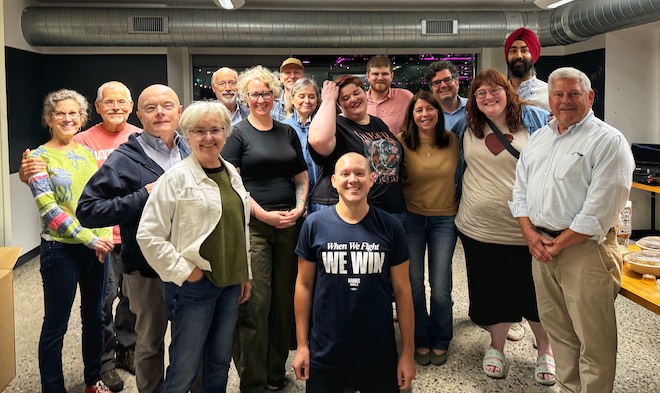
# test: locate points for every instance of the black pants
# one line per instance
(380, 380)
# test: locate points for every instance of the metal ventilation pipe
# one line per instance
(325, 29)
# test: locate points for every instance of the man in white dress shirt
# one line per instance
(572, 180)
(522, 49)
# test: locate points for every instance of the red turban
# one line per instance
(530, 39)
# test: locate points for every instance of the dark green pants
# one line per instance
(263, 329)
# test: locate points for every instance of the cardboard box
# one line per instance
(8, 258)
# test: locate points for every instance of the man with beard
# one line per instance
(442, 78)
(225, 87)
(522, 49)
(383, 101)
(114, 104)
(290, 71)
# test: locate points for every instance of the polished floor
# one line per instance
(638, 358)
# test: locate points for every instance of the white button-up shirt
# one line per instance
(580, 179)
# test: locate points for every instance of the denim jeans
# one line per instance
(314, 207)
(63, 268)
(438, 235)
(119, 333)
(203, 319)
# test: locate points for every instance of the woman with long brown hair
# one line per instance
(499, 271)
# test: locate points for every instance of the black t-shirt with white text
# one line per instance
(351, 319)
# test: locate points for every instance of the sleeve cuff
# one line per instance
(587, 225)
(518, 208)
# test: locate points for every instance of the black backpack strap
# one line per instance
(505, 142)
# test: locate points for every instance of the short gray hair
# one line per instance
(263, 74)
(301, 84)
(223, 69)
(571, 73)
(112, 85)
(193, 114)
(52, 98)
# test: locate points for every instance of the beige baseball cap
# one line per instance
(292, 61)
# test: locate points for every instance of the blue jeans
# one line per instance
(203, 319)
(438, 234)
(63, 268)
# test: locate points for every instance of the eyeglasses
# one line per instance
(266, 95)
(223, 84)
(200, 133)
(481, 94)
(63, 115)
(111, 103)
(448, 81)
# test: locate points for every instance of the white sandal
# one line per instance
(495, 358)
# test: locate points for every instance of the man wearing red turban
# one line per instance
(522, 48)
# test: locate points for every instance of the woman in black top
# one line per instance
(354, 130)
(269, 157)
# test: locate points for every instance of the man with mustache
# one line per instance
(291, 70)
(522, 49)
(114, 104)
(384, 101)
(225, 86)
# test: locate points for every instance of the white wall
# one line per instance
(632, 103)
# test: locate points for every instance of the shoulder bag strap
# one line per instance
(505, 142)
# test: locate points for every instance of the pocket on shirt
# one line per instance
(189, 212)
(569, 165)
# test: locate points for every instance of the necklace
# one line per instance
(428, 148)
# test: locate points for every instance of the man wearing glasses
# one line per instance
(116, 194)
(114, 104)
(225, 86)
(442, 78)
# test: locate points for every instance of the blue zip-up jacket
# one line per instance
(115, 195)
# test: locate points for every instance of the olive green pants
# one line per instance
(265, 322)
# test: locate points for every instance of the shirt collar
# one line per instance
(389, 95)
(297, 120)
(158, 144)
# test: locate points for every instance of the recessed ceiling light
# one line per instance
(550, 4)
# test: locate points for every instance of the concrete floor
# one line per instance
(637, 370)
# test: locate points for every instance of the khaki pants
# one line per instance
(147, 301)
(575, 294)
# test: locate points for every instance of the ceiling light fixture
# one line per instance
(550, 4)
(230, 4)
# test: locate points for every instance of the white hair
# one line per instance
(571, 73)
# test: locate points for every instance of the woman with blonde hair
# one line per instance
(269, 158)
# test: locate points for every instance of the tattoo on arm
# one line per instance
(301, 195)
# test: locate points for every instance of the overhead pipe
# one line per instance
(69, 26)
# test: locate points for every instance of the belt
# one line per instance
(549, 232)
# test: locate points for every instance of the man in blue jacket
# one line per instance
(116, 195)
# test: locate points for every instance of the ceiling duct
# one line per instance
(55, 26)
(439, 27)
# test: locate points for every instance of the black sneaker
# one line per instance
(112, 380)
(277, 386)
(126, 361)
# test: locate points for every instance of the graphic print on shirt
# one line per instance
(384, 155)
(353, 258)
(61, 181)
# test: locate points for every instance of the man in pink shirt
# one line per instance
(384, 101)
(114, 104)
